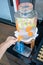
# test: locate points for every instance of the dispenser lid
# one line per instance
(25, 7)
(25, 10)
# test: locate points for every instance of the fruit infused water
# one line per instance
(26, 20)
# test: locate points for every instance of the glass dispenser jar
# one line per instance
(26, 19)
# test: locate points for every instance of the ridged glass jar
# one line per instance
(25, 18)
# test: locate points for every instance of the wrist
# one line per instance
(8, 44)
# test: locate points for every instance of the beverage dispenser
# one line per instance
(26, 27)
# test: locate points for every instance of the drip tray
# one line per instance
(25, 52)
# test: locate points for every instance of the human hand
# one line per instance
(10, 40)
(5, 45)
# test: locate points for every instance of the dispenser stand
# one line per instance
(22, 49)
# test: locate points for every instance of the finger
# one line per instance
(15, 40)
